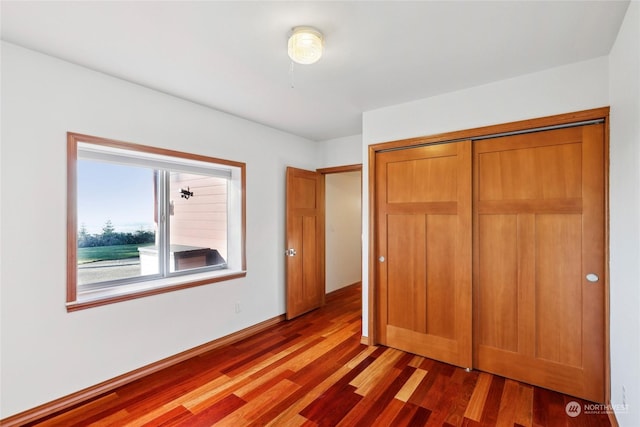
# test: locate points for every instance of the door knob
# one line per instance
(593, 278)
(290, 252)
(381, 259)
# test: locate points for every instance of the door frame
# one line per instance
(340, 169)
(550, 122)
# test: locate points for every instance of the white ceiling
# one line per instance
(231, 55)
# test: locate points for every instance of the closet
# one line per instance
(490, 250)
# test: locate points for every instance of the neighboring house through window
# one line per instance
(145, 220)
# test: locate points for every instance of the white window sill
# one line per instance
(103, 296)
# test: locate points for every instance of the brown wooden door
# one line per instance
(538, 233)
(305, 241)
(423, 239)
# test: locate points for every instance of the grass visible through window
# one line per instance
(109, 253)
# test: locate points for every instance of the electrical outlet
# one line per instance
(238, 308)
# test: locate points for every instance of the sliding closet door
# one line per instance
(423, 241)
(539, 274)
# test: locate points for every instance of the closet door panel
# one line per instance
(558, 300)
(498, 304)
(423, 238)
(441, 274)
(407, 272)
(539, 230)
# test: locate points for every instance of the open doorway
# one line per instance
(343, 227)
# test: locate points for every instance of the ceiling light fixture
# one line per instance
(305, 45)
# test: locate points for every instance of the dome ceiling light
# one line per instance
(305, 45)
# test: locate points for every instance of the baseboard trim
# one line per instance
(364, 340)
(70, 400)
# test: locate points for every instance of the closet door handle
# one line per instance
(290, 252)
(592, 277)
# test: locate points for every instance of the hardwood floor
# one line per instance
(313, 371)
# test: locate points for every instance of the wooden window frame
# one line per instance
(73, 303)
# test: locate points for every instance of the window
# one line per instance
(144, 220)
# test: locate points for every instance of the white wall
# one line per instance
(48, 353)
(340, 151)
(559, 90)
(343, 230)
(624, 87)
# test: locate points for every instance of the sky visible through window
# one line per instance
(121, 194)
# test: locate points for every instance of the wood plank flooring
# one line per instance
(313, 371)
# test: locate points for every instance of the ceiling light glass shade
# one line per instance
(305, 45)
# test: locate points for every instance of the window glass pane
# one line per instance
(197, 221)
(116, 220)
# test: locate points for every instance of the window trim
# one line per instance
(114, 295)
